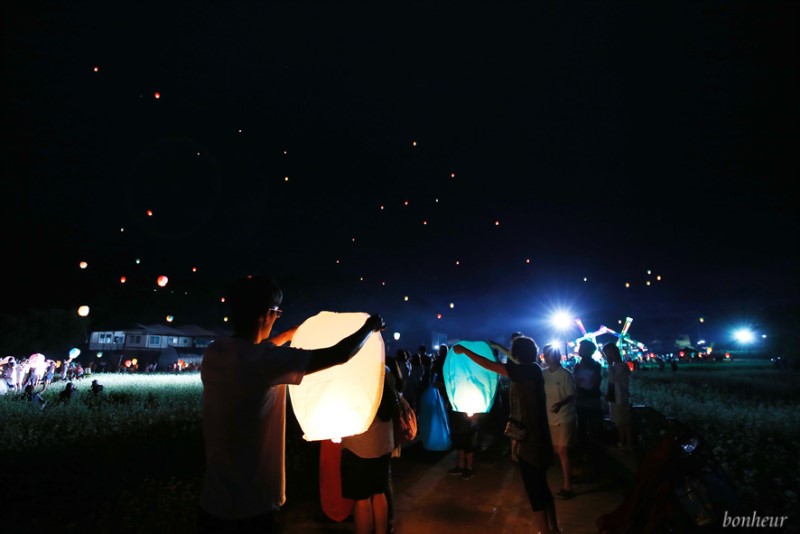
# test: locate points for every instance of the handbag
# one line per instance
(515, 430)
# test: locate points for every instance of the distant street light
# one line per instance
(562, 321)
(744, 336)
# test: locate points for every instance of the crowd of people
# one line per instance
(554, 414)
(557, 412)
(29, 373)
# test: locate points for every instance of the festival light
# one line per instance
(162, 280)
(470, 387)
(744, 336)
(342, 400)
(83, 311)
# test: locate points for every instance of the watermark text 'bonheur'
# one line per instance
(753, 521)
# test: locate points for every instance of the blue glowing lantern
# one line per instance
(470, 387)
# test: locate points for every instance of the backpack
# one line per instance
(405, 423)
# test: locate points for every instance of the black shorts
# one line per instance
(463, 431)
(364, 477)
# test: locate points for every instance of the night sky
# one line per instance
(507, 159)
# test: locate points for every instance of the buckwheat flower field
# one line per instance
(749, 414)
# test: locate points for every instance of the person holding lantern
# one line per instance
(244, 408)
(366, 465)
(534, 452)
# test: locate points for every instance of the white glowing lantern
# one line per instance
(37, 361)
(470, 387)
(340, 401)
(162, 280)
(83, 311)
(74, 353)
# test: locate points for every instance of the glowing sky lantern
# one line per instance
(342, 400)
(470, 387)
(156, 95)
(170, 318)
(83, 265)
(122, 279)
(74, 353)
(162, 280)
(37, 361)
(83, 311)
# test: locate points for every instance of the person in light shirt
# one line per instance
(562, 415)
(244, 380)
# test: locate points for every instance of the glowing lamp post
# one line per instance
(342, 400)
(470, 387)
(745, 337)
(562, 321)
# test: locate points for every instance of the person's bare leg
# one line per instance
(380, 513)
(626, 436)
(551, 519)
(540, 522)
(362, 516)
(566, 468)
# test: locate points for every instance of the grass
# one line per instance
(748, 413)
(131, 460)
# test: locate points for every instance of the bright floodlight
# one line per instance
(561, 320)
(744, 336)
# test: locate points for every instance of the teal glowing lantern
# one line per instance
(470, 387)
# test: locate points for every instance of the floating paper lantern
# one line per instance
(470, 387)
(342, 400)
(83, 265)
(122, 279)
(162, 280)
(74, 353)
(37, 361)
(83, 311)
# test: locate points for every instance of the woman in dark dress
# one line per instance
(534, 452)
